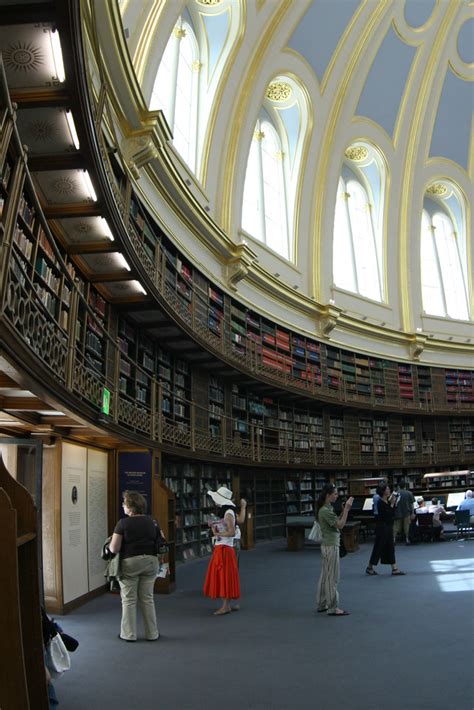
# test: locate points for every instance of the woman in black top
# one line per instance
(384, 547)
(135, 538)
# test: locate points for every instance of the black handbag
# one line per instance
(161, 546)
(342, 548)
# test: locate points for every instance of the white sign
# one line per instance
(74, 521)
(96, 515)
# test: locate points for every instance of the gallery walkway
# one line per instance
(407, 645)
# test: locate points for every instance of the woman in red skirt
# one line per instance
(222, 578)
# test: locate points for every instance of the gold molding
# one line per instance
(356, 153)
(329, 318)
(217, 100)
(327, 138)
(278, 91)
(238, 118)
(209, 2)
(437, 188)
(417, 345)
(418, 128)
(238, 266)
(146, 40)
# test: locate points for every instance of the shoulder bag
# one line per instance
(315, 533)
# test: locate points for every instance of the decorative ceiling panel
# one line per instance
(103, 263)
(385, 85)
(45, 131)
(121, 289)
(59, 187)
(28, 55)
(82, 230)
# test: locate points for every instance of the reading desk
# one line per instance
(298, 524)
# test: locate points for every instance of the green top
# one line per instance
(327, 519)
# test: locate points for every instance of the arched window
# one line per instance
(357, 242)
(443, 283)
(273, 166)
(175, 91)
(264, 213)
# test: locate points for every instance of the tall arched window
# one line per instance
(443, 283)
(273, 166)
(357, 242)
(264, 214)
(175, 91)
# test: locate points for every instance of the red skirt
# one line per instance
(222, 578)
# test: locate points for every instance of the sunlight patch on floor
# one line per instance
(454, 575)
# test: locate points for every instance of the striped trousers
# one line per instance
(327, 595)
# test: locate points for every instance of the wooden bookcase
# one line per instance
(190, 483)
(164, 508)
(22, 671)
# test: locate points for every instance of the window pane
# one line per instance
(162, 89)
(276, 232)
(252, 207)
(432, 297)
(184, 121)
(343, 268)
(451, 271)
(364, 242)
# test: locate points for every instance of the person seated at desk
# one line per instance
(437, 509)
(421, 506)
(468, 504)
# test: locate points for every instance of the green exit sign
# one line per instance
(105, 400)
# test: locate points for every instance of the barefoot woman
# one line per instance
(327, 597)
(222, 578)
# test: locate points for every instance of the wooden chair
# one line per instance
(22, 669)
(463, 523)
(426, 530)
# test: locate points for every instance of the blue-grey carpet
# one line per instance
(407, 645)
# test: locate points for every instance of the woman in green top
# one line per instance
(327, 596)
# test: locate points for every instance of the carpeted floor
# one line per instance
(407, 645)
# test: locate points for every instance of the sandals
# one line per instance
(370, 571)
(338, 613)
(397, 573)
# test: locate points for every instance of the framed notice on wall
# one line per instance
(134, 475)
(74, 521)
(96, 515)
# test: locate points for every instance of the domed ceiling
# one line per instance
(394, 75)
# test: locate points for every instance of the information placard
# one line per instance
(135, 475)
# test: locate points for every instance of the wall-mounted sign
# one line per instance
(105, 401)
(134, 475)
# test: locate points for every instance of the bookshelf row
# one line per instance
(233, 413)
(299, 360)
(275, 494)
(258, 343)
(144, 376)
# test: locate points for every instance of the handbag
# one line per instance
(315, 533)
(58, 659)
(161, 546)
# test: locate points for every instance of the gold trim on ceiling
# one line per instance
(418, 129)
(278, 91)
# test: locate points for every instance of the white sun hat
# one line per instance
(223, 496)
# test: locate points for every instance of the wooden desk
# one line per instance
(350, 536)
(295, 533)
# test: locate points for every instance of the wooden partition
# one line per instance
(22, 670)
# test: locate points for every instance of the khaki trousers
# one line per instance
(401, 525)
(137, 579)
(327, 596)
